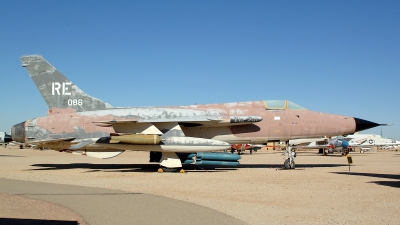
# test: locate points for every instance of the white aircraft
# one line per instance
(367, 141)
(364, 142)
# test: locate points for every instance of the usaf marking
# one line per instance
(55, 87)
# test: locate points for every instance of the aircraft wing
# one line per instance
(77, 147)
(47, 141)
(152, 126)
(311, 146)
(40, 143)
(208, 121)
(362, 145)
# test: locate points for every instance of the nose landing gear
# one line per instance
(290, 154)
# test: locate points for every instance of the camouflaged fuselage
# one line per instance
(276, 125)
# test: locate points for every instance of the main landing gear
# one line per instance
(165, 169)
(289, 155)
(345, 152)
(170, 162)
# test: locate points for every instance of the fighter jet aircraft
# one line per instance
(79, 123)
(336, 144)
(240, 148)
(365, 142)
(5, 138)
(345, 144)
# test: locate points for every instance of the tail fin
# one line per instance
(56, 89)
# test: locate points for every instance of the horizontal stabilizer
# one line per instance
(48, 141)
(81, 144)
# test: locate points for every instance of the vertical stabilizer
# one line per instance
(56, 89)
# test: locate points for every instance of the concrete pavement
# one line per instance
(104, 206)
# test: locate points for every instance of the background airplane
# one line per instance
(345, 144)
(335, 144)
(365, 142)
(240, 148)
(5, 138)
(81, 124)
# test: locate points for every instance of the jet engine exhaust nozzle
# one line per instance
(18, 132)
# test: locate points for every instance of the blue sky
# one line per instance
(340, 57)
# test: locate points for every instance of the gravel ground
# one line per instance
(321, 190)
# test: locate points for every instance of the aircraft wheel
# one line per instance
(165, 169)
(288, 165)
(361, 151)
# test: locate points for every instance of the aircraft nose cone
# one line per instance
(364, 124)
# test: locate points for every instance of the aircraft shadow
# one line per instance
(85, 194)
(12, 156)
(319, 155)
(299, 153)
(395, 184)
(15, 221)
(150, 168)
(280, 165)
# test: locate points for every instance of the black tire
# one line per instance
(165, 169)
(288, 165)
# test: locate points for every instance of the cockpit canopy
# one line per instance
(282, 105)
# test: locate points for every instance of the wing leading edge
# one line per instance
(123, 126)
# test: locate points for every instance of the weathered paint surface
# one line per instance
(292, 124)
(74, 114)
